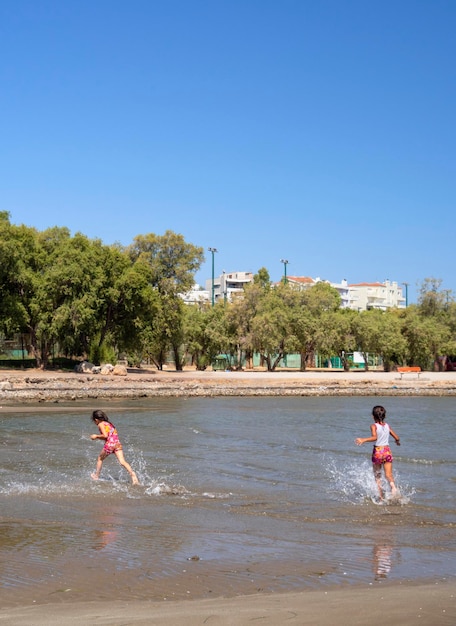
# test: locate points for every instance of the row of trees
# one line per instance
(75, 296)
(78, 297)
(280, 320)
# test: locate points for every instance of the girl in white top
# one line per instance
(381, 454)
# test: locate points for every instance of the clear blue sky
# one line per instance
(318, 131)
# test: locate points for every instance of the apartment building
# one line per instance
(359, 296)
(342, 288)
(196, 295)
(365, 296)
(356, 296)
(227, 284)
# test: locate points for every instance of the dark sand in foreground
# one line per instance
(404, 605)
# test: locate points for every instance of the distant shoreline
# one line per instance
(37, 386)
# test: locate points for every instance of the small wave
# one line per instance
(162, 489)
(105, 486)
(216, 496)
(422, 461)
(61, 488)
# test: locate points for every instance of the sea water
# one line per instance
(237, 495)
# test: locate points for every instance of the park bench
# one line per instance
(409, 370)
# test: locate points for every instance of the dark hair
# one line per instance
(379, 413)
(99, 415)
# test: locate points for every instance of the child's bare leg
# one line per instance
(389, 477)
(127, 466)
(378, 479)
(96, 473)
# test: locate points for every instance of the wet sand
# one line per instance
(404, 605)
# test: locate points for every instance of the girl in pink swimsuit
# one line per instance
(108, 432)
(381, 454)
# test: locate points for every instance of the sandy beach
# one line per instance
(399, 605)
(429, 603)
(37, 386)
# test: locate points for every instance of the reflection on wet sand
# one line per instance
(382, 560)
(105, 533)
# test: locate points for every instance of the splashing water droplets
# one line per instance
(354, 482)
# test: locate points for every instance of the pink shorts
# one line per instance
(110, 448)
(381, 454)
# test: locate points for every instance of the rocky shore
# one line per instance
(36, 386)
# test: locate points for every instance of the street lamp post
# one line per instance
(224, 287)
(213, 251)
(285, 263)
(406, 294)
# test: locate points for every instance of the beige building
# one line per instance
(365, 296)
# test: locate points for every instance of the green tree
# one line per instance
(338, 336)
(430, 326)
(128, 303)
(271, 326)
(27, 313)
(262, 278)
(208, 332)
(241, 315)
(14, 242)
(427, 338)
(379, 332)
(196, 343)
(308, 316)
(221, 333)
(431, 299)
(72, 294)
(172, 263)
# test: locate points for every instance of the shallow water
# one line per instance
(236, 495)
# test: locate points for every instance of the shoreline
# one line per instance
(403, 604)
(28, 386)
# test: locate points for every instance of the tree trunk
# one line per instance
(277, 361)
(345, 363)
(177, 359)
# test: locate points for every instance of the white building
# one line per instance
(357, 296)
(228, 284)
(365, 296)
(196, 295)
(342, 288)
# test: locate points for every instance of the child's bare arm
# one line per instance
(395, 437)
(361, 440)
(102, 435)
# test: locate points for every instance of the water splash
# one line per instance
(354, 482)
